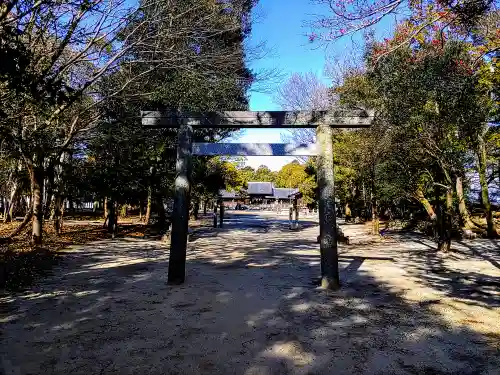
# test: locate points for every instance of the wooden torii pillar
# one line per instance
(323, 121)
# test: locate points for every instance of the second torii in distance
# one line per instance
(323, 121)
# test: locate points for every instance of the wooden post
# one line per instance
(221, 219)
(296, 212)
(215, 215)
(294, 215)
(328, 236)
(180, 217)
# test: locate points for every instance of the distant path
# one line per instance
(249, 307)
(246, 220)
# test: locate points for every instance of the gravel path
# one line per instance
(249, 307)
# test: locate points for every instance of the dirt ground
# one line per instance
(21, 262)
(249, 307)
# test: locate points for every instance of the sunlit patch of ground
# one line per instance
(21, 264)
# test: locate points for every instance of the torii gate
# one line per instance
(323, 121)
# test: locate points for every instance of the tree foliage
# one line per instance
(77, 75)
(433, 98)
(416, 19)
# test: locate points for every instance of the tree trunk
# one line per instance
(365, 202)
(105, 205)
(140, 210)
(215, 215)
(9, 209)
(111, 216)
(61, 219)
(443, 221)
(58, 214)
(465, 219)
(428, 207)
(53, 205)
(27, 201)
(448, 221)
(481, 159)
(50, 199)
(147, 219)
(25, 222)
(375, 218)
(205, 204)
(439, 227)
(5, 208)
(196, 208)
(37, 178)
(12, 210)
(374, 202)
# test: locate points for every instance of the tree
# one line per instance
(430, 121)
(264, 174)
(290, 175)
(247, 174)
(303, 92)
(296, 175)
(432, 106)
(349, 17)
(359, 153)
(67, 71)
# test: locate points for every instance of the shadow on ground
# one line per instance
(465, 273)
(19, 268)
(252, 223)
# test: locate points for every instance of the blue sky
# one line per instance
(280, 23)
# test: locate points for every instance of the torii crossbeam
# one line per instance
(323, 121)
